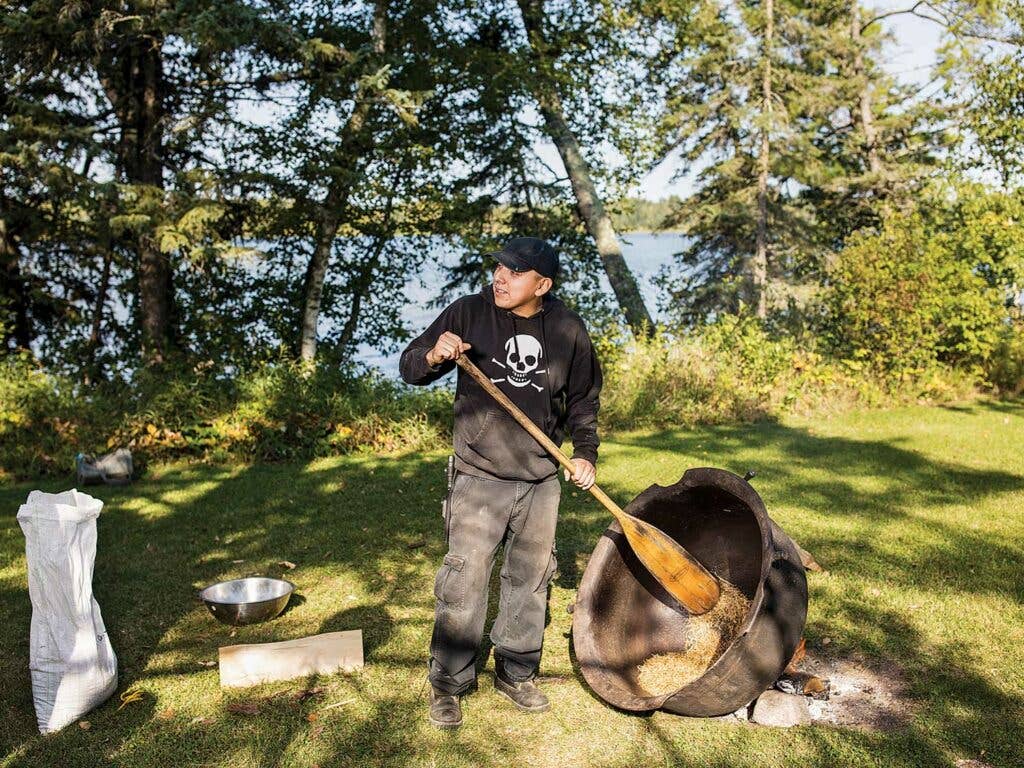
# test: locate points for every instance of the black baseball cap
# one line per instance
(521, 254)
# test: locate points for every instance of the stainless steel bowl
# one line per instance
(247, 601)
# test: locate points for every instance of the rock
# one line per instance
(782, 710)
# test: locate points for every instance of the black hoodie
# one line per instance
(544, 363)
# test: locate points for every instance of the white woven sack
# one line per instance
(71, 660)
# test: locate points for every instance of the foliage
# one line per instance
(983, 228)
(722, 372)
(277, 410)
(843, 142)
(1005, 368)
(989, 65)
(287, 170)
(735, 370)
(899, 302)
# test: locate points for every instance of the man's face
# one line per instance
(513, 290)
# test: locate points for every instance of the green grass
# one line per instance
(917, 513)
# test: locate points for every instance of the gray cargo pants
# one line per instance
(484, 514)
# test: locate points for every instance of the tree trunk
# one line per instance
(363, 282)
(336, 199)
(759, 265)
(134, 83)
(864, 105)
(316, 272)
(588, 202)
(359, 292)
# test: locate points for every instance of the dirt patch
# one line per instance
(869, 696)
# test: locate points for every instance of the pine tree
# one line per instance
(138, 85)
(737, 90)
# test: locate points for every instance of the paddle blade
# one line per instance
(673, 567)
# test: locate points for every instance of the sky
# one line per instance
(910, 58)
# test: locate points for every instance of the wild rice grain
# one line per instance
(707, 637)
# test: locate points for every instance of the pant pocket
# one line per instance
(450, 583)
(549, 573)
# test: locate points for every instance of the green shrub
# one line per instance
(726, 371)
(1005, 369)
(734, 370)
(900, 302)
(281, 410)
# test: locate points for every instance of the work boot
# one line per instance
(525, 695)
(445, 710)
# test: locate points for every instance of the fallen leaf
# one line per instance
(244, 708)
(130, 696)
(312, 717)
(85, 725)
(826, 640)
(875, 591)
(814, 684)
(287, 564)
(200, 721)
(150, 548)
(207, 663)
(233, 633)
(236, 562)
(166, 714)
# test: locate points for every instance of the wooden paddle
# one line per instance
(676, 570)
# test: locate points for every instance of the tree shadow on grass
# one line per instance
(353, 528)
(868, 482)
(856, 488)
(185, 527)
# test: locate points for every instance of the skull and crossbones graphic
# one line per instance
(522, 361)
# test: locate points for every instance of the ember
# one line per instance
(707, 636)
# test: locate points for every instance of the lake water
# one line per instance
(645, 254)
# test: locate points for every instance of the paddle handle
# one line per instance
(527, 423)
(673, 567)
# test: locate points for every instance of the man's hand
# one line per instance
(584, 475)
(448, 347)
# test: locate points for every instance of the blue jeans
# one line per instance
(483, 515)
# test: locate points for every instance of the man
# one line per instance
(506, 488)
